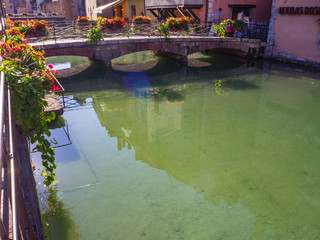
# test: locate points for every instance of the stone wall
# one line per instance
(29, 186)
(294, 37)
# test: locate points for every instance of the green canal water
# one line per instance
(174, 153)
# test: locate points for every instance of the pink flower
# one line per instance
(50, 66)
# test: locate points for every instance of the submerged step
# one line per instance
(53, 105)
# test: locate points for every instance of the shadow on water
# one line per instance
(58, 217)
(239, 84)
(165, 73)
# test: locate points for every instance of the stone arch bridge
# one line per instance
(176, 47)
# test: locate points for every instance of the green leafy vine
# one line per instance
(29, 80)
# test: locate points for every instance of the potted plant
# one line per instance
(238, 26)
(34, 28)
(226, 28)
(31, 28)
(83, 23)
(141, 23)
(137, 20)
(111, 25)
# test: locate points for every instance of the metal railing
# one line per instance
(14, 219)
(72, 30)
(60, 31)
(258, 31)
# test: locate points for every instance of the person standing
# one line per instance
(218, 17)
(243, 18)
(241, 15)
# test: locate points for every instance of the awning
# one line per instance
(241, 6)
(157, 4)
(103, 7)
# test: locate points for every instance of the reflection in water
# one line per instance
(68, 61)
(69, 65)
(234, 149)
(199, 60)
(135, 62)
(61, 66)
(178, 160)
(57, 219)
(218, 88)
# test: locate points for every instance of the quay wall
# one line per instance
(294, 33)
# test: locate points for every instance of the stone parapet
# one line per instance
(181, 46)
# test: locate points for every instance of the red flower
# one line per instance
(50, 66)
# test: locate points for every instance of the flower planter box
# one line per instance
(142, 27)
(229, 34)
(140, 20)
(111, 31)
(83, 26)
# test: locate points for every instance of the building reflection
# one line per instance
(224, 152)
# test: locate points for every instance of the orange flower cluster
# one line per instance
(178, 24)
(83, 19)
(23, 56)
(111, 23)
(30, 28)
(141, 20)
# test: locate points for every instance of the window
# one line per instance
(235, 9)
(119, 11)
(133, 11)
(114, 12)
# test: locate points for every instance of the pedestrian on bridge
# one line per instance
(217, 18)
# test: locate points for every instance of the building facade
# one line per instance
(120, 8)
(9, 6)
(129, 8)
(17, 6)
(203, 10)
(21, 7)
(49, 6)
(69, 9)
(256, 10)
(162, 9)
(294, 33)
(92, 5)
